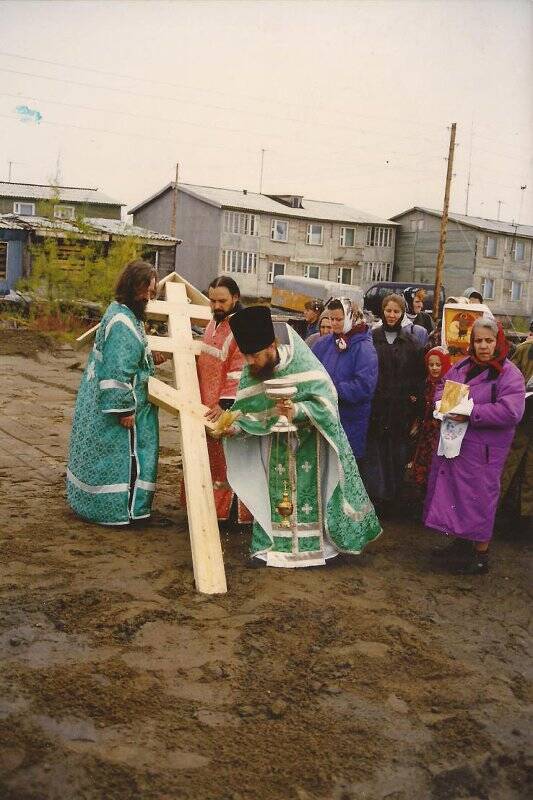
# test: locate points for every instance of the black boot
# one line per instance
(477, 564)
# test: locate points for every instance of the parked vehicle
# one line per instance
(375, 294)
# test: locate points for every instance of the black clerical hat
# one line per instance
(252, 328)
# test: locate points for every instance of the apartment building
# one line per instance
(254, 237)
(494, 256)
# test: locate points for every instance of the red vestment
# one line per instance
(219, 371)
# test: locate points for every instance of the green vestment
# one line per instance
(111, 469)
(331, 509)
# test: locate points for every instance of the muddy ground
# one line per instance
(372, 679)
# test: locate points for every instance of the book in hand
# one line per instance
(453, 395)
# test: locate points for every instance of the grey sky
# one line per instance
(351, 100)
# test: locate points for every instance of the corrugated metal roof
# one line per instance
(481, 223)
(96, 225)
(118, 228)
(252, 201)
(66, 194)
(10, 224)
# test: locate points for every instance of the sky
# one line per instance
(351, 102)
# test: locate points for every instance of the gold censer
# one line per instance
(285, 508)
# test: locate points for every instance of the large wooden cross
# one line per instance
(179, 309)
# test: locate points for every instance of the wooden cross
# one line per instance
(178, 312)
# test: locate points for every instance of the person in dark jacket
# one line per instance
(394, 406)
(414, 299)
(349, 356)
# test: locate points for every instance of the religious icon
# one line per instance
(457, 326)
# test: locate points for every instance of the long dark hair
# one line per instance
(135, 276)
(226, 282)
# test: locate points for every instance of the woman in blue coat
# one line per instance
(350, 358)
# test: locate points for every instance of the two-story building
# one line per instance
(254, 237)
(60, 202)
(496, 257)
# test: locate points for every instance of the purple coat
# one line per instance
(354, 372)
(463, 492)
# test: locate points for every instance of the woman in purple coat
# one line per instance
(349, 356)
(463, 491)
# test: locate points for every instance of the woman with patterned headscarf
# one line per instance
(463, 491)
(349, 356)
(438, 363)
(414, 300)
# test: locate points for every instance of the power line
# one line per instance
(181, 87)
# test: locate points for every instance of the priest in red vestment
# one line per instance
(219, 371)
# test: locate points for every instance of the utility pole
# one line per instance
(174, 216)
(469, 167)
(261, 173)
(443, 226)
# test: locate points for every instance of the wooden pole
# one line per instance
(443, 227)
(174, 216)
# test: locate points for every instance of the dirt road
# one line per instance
(378, 678)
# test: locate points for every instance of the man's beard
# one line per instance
(220, 316)
(139, 308)
(264, 372)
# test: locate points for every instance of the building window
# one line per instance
(276, 268)
(518, 250)
(378, 237)
(377, 271)
(279, 230)
(490, 246)
(24, 209)
(314, 234)
(239, 261)
(487, 288)
(64, 212)
(312, 271)
(237, 222)
(347, 237)
(3, 260)
(515, 292)
(344, 275)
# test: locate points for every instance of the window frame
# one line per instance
(18, 203)
(342, 235)
(484, 281)
(273, 224)
(494, 239)
(514, 248)
(3, 277)
(271, 270)
(241, 223)
(372, 271)
(520, 285)
(61, 207)
(378, 236)
(340, 270)
(308, 267)
(239, 262)
(311, 225)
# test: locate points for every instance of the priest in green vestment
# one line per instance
(114, 444)
(303, 487)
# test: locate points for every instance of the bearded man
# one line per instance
(330, 510)
(219, 371)
(114, 444)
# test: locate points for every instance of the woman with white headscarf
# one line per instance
(349, 356)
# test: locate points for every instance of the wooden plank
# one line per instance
(160, 310)
(206, 548)
(170, 400)
(166, 345)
